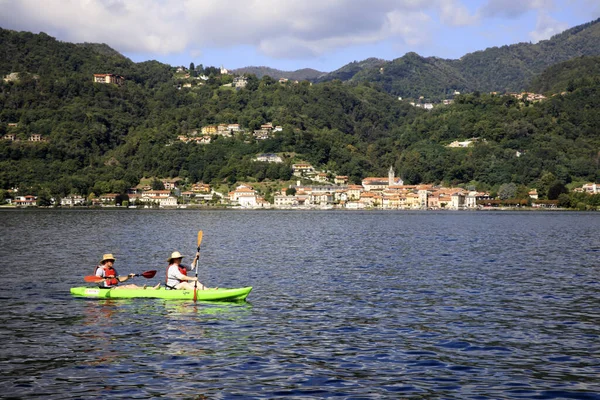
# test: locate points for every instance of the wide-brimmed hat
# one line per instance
(107, 257)
(174, 255)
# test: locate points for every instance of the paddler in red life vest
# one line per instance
(106, 270)
(177, 277)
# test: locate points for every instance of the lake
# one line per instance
(346, 304)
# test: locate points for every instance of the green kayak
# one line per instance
(221, 294)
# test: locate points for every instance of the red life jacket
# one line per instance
(109, 272)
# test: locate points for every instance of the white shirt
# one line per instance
(174, 277)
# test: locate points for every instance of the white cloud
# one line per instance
(454, 13)
(277, 28)
(282, 29)
(589, 8)
(546, 27)
(513, 8)
(129, 25)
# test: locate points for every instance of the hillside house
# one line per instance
(322, 177)
(456, 143)
(206, 139)
(269, 157)
(171, 184)
(201, 187)
(341, 180)
(209, 130)
(109, 78)
(301, 169)
(465, 143)
(261, 134)
(12, 77)
(240, 82)
(591, 188)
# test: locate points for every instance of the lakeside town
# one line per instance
(385, 193)
(313, 189)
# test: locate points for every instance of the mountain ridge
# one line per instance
(65, 133)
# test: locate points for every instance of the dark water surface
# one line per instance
(454, 305)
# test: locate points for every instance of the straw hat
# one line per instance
(174, 255)
(107, 257)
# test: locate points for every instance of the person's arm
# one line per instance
(193, 264)
(188, 278)
(126, 277)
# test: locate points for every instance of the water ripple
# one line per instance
(354, 305)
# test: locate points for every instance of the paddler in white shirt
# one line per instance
(177, 277)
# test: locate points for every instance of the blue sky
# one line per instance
(294, 34)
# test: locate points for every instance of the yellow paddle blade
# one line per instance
(199, 238)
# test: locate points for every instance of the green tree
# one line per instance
(507, 191)
(157, 184)
(556, 189)
(564, 200)
(44, 199)
(544, 183)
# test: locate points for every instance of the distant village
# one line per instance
(327, 191)
(385, 193)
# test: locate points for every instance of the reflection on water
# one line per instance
(346, 304)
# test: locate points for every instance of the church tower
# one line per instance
(391, 174)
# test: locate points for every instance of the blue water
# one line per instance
(453, 305)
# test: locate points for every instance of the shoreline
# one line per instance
(233, 208)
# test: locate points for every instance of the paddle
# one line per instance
(196, 266)
(97, 279)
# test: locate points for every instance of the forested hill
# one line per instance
(508, 68)
(43, 55)
(104, 138)
(306, 74)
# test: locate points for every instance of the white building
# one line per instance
(268, 157)
(170, 201)
(70, 201)
(244, 195)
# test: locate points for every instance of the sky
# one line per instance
(293, 34)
